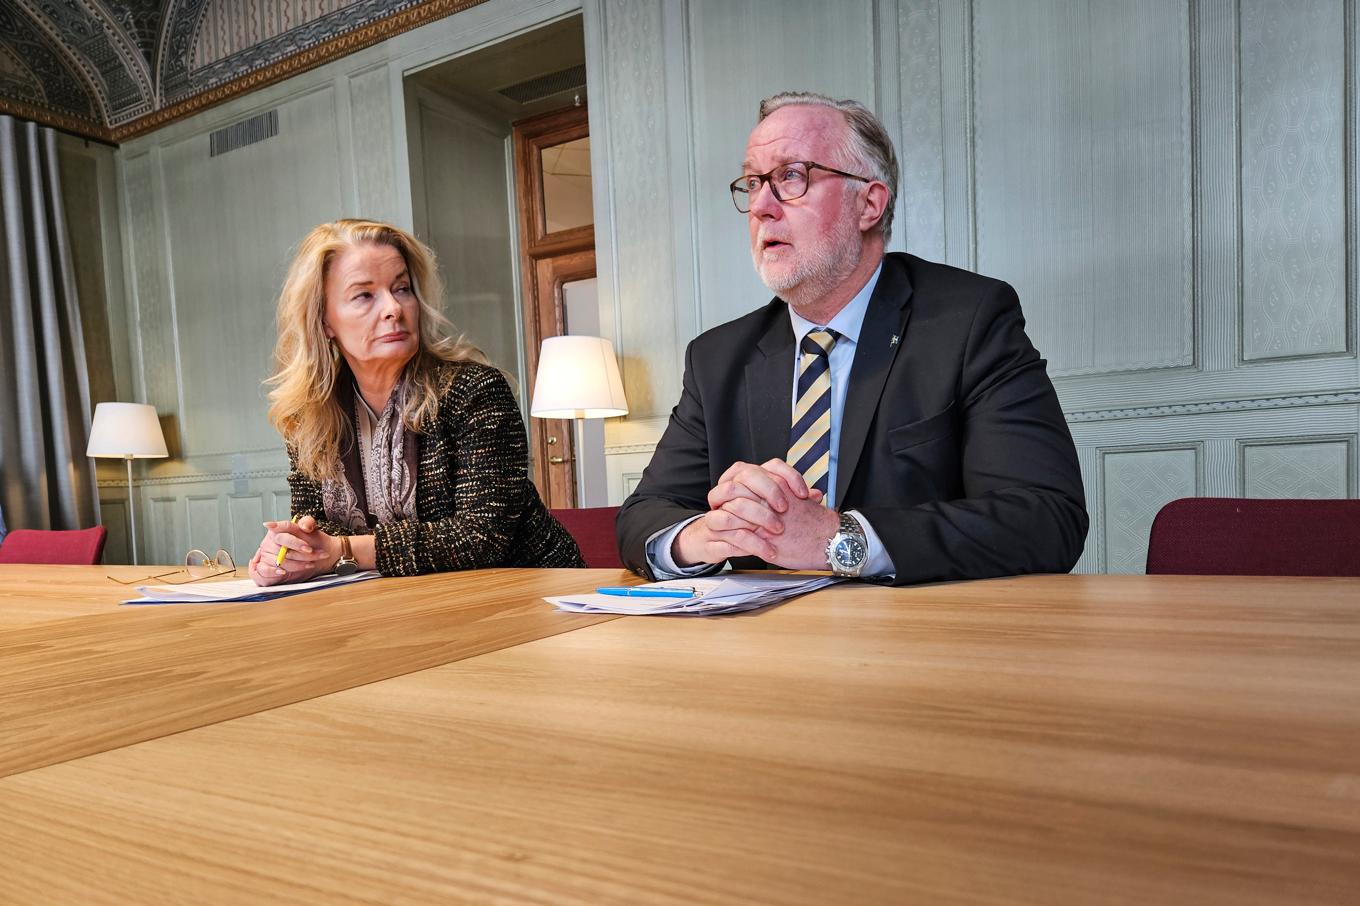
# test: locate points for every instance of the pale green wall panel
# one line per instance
(1083, 161)
(1136, 484)
(113, 515)
(920, 223)
(1298, 468)
(371, 135)
(1293, 181)
(467, 223)
(957, 118)
(79, 170)
(204, 518)
(1218, 184)
(641, 300)
(231, 237)
(165, 537)
(152, 315)
(245, 513)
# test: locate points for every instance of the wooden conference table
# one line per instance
(1048, 739)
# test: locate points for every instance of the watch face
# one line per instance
(346, 567)
(849, 552)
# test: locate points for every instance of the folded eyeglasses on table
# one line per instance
(197, 566)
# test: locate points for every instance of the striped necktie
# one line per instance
(810, 437)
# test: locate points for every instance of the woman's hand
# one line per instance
(310, 552)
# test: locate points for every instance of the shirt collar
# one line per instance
(848, 320)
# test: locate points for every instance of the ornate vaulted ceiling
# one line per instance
(111, 70)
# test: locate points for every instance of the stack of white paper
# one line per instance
(236, 590)
(731, 593)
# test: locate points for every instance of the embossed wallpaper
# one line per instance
(111, 70)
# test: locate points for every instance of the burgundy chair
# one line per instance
(593, 529)
(1230, 536)
(82, 546)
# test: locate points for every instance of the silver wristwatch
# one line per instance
(848, 549)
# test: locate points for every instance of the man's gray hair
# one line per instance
(867, 142)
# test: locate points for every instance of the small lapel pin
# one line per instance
(893, 341)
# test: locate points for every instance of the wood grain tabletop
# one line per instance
(1041, 740)
(41, 594)
(119, 675)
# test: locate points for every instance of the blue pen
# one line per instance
(624, 591)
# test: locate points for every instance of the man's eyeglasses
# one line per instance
(787, 182)
(197, 566)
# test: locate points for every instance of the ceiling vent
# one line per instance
(246, 132)
(546, 86)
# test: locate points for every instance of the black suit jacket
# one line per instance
(952, 443)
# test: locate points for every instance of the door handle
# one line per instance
(558, 460)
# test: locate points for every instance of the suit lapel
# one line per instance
(885, 319)
(769, 390)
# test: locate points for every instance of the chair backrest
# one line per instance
(82, 546)
(1230, 536)
(593, 529)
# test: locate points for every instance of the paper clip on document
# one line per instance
(642, 591)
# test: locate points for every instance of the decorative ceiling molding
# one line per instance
(64, 89)
(113, 70)
(18, 80)
(109, 60)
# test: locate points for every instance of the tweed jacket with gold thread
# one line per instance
(475, 505)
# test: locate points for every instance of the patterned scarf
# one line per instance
(389, 484)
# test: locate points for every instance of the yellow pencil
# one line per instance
(283, 551)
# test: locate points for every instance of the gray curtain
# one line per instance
(46, 481)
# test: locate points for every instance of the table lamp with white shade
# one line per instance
(127, 431)
(578, 378)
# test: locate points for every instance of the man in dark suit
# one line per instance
(913, 436)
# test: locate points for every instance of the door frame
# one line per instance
(547, 260)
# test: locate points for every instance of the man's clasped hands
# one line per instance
(764, 511)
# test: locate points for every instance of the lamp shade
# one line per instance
(126, 431)
(578, 377)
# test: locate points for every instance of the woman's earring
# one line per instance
(335, 351)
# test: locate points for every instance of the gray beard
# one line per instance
(817, 274)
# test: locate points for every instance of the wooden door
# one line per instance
(555, 248)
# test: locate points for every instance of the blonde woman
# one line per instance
(408, 451)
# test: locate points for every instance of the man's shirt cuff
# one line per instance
(878, 564)
(659, 557)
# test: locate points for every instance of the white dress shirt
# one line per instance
(847, 323)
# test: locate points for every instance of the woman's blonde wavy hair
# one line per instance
(307, 365)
